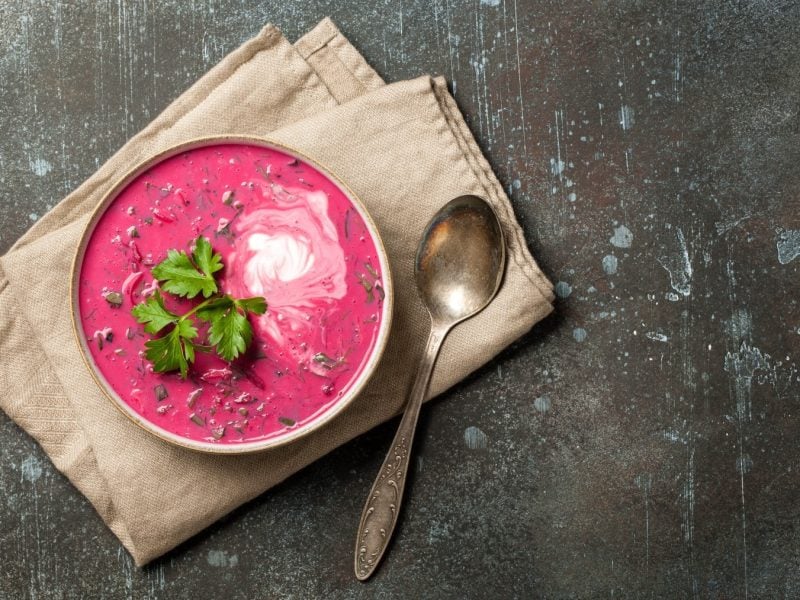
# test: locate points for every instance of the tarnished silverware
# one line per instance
(458, 269)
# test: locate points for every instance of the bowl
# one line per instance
(286, 229)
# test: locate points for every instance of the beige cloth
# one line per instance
(403, 148)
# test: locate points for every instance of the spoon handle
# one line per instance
(380, 513)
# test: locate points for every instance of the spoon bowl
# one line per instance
(460, 259)
(458, 268)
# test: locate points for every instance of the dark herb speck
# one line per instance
(114, 299)
(160, 392)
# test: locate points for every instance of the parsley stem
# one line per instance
(205, 303)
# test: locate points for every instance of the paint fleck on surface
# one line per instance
(622, 238)
(474, 438)
(678, 265)
(656, 336)
(542, 404)
(744, 464)
(742, 366)
(740, 326)
(626, 114)
(220, 558)
(579, 333)
(40, 167)
(563, 289)
(31, 469)
(788, 246)
(610, 263)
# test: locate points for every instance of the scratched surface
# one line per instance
(642, 442)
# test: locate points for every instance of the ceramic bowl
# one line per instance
(327, 332)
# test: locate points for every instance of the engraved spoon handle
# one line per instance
(380, 513)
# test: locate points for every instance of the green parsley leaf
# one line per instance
(212, 310)
(180, 276)
(230, 330)
(231, 333)
(208, 261)
(153, 314)
(257, 305)
(173, 351)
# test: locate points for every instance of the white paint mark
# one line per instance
(645, 483)
(563, 289)
(439, 531)
(579, 333)
(519, 83)
(743, 464)
(556, 166)
(490, 2)
(31, 469)
(33, 217)
(742, 366)
(622, 238)
(788, 246)
(656, 337)
(220, 558)
(474, 438)
(740, 326)
(688, 496)
(729, 222)
(542, 404)
(40, 166)
(572, 196)
(626, 115)
(610, 263)
(679, 266)
(516, 184)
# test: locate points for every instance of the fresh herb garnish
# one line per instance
(186, 277)
(229, 331)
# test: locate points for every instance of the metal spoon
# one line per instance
(459, 265)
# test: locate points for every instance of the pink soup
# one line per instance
(285, 232)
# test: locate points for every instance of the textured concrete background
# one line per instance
(640, 443)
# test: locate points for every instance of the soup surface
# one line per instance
(285, 232)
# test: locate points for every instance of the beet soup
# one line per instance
(285, 232)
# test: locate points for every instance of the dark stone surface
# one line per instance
(642, 442)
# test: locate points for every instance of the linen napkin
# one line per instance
(403, 148)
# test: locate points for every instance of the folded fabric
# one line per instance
(403, 148)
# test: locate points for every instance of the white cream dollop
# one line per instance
(288, 251)
(280, 257)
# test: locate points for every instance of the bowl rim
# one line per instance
(245, 447)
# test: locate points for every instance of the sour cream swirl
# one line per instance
(288, 251)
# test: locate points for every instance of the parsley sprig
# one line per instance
(229, 330)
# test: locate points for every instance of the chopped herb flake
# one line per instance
(113, 298)
(161, 392)
(372, 271)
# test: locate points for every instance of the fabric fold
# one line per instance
(403, 148)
